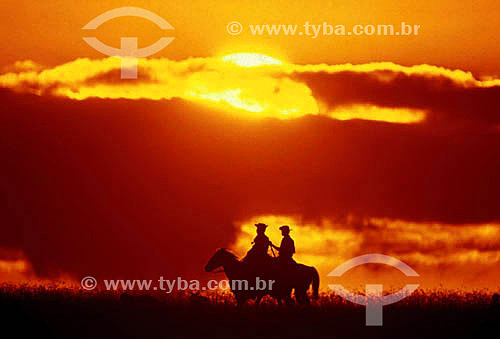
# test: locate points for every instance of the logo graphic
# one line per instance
(373, 300)
(128, 51)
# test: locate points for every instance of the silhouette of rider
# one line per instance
(258, 252)
(287, 247)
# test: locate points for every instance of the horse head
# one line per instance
(222, 257)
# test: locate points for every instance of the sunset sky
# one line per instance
(363, 144)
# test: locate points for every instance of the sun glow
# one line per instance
(372, 112)
(251, 59)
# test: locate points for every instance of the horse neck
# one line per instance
(231, 266)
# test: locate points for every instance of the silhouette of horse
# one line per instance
(280, 279)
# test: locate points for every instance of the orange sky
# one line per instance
(380, 144)
(454, 34)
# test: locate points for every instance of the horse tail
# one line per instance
(315, 283)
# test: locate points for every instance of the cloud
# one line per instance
(375, 91)
(206, 79)
(144, 178)
(432, 249)
(445, 99)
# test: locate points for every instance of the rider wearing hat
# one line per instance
(261, 243)
(287, 246)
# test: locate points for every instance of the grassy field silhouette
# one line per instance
(59, 311)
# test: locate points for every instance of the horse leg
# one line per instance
(240, 301)
(288, 300)
(301, 296)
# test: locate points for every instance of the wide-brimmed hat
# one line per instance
(260, 225)
(285, 228)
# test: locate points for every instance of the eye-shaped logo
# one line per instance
(128, 51)
(373, 300)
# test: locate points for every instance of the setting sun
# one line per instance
(251, 59)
